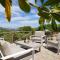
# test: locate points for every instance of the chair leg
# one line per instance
(33, 52)
(58, 48)
(58, 52)
(46, 45)
(39, 49)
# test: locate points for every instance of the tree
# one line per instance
(49, 12)
(27, 29)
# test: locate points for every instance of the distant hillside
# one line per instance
(6, 29)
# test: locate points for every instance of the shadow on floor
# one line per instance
(52, 49)
(21, 57)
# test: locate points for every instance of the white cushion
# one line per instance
(9, 48)
(36, 38)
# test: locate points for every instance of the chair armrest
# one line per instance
(19, 53)
(43, 36)
(1, 54)
(34, 36)
(59, 42)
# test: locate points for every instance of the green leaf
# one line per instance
(44, 15)
(41, 20)
(43, 12)
(48, 20)
(55, 10)
(11, 2)
(39, 9)
(35, 1)
(52, 2)
(56, 16)
(2, 2)
(54, 25)
(24, 5)
(45, 9)
(42, 1)
(41, 27)
(8, 10)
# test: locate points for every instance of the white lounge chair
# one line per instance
(29, 44)
(13, 51)
(1, 38)
(54, 43)
(38, 36)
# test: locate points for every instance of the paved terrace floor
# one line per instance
(46, 54)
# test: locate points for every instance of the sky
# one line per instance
(19, 18)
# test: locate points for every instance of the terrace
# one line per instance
(49, 53)
(31, 42)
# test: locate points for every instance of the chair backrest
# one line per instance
(58, 36)
(39, 33)
(1, 38)
(1, 55)
(10, 48)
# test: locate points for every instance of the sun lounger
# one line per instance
(38, 36)
(1, 38)
(55, 42)
(21, 53)
(29, 44)
(13, 51)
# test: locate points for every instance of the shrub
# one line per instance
(27, 29)
(8, 36)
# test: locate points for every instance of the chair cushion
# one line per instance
(9, 48)
(37, 38)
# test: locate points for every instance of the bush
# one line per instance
(8, 36)
(27, 29)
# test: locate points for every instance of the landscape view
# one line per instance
(30, 29)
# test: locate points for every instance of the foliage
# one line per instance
(21, 34)
(7, 36)
(27, 28)
(48, 10)
(24, 5)
(7, 5)
(52, 2)
(13, 36)
(49, 27)
(41, 27)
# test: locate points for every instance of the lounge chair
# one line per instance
(38, 36)
(55, 42)
(13, 51)
(35, 41)
(29, 44)
(1, 38)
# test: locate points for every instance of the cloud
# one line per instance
(19, 18)
(17, 24)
